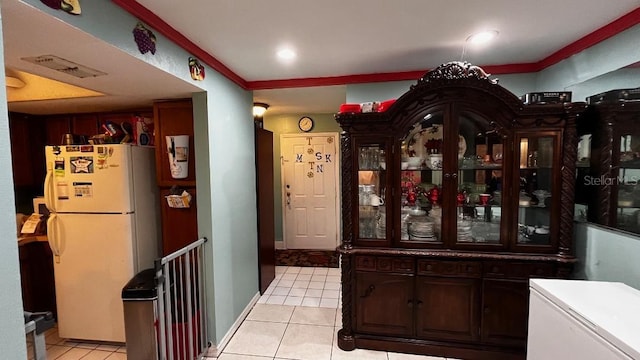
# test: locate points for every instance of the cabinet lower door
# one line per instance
(384, 303)
(447, 308)
(505, 308)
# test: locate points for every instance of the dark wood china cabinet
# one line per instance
(452, 199)
(610, 147)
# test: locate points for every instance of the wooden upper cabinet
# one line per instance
(173, 118)
(85, 124)
(27, 149)
(56, 127)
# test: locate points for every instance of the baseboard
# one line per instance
(280, 245)
(215, 351)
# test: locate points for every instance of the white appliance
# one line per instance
(583, 320)
(102, 230)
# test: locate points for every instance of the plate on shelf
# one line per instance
(417, 141)
(462, 146)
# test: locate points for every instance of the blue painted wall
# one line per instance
(224, 158)
(607, 255)
(12, 337)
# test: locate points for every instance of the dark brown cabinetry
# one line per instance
(36, 275)
(504, 311)
(173, 118)
(610, 153)
(451, 200)
(27, 150)
(373, 290)
(458, 295)
(87, 125)
(179, 225)
(56, 126)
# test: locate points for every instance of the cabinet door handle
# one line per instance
(368, 291)
(419, 303)
(454, 175)
(487, 310)
(446, 176)
(410, 303)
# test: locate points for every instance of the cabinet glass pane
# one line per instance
(628, 207)
(372, 191)
(584, 188)
(421, 181)
(479, 195)
(536, 182)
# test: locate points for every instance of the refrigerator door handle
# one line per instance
(52, 238)
(48, 191)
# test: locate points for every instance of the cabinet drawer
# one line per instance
(450, 268)
(385, 264)
(518, 270)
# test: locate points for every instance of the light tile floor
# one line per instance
(297, 332)
(305, 330)
(62, 349)
(298, 317)
(304, 286)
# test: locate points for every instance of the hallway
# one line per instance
(298, 318)
(304, 331)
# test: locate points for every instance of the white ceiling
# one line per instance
(130, 83)
(332, 38)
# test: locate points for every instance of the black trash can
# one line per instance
(139, 299)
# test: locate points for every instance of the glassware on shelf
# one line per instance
(524, 233)
(532, 160)
(369, 158)
(484, 199)
(435, 161)
(365, 193)
(524, 199)
(541, 195)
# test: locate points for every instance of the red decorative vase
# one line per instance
(411, 198)
(434, 195)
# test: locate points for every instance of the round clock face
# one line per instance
(305, 123)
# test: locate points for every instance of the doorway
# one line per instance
(310, 190)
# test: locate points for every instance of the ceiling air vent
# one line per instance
(65, 66)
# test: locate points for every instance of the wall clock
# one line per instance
(305, 123)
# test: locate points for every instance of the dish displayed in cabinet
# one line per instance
(423, 143)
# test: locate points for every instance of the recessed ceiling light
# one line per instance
(286, 54)
(482, 37)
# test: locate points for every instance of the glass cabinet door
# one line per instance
(480, 178)
(372, 191)
(627, 214)
(539, 185)
(421, 185)
(585, 189)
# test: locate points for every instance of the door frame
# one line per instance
(336, 140)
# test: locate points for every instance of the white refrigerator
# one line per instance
(102, 230)
(583, 320)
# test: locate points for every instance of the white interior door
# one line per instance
(310, 191)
